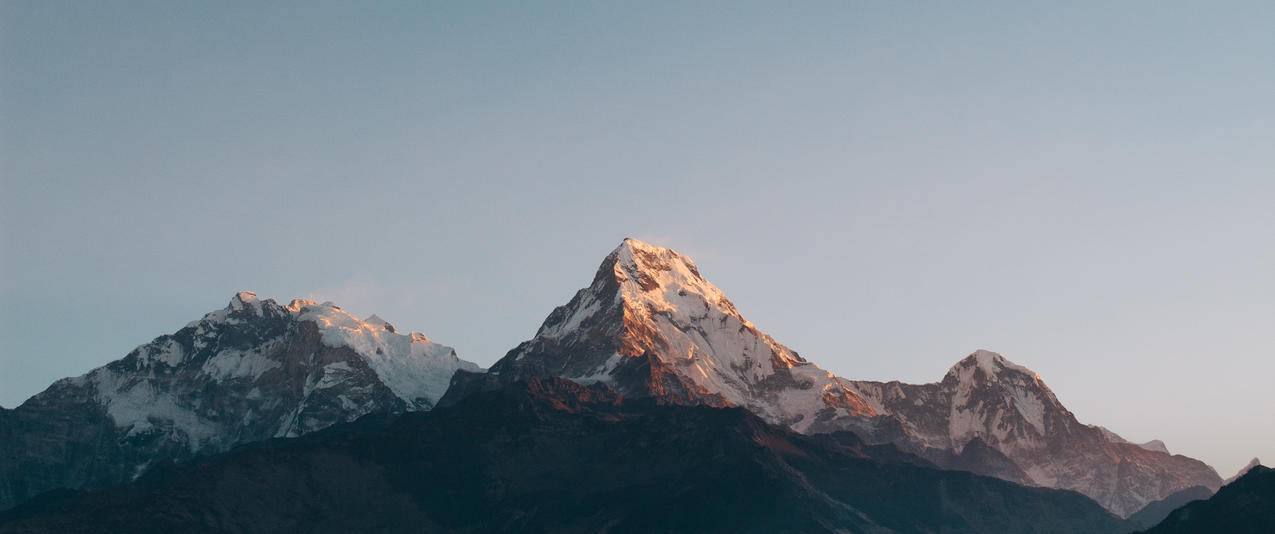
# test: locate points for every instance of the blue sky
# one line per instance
(885, 187)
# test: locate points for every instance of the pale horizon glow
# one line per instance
(1085, 188)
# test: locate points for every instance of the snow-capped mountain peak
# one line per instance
(658, 274)
(651, 324)
(249, 371)
(413, 367)
(988, 398)
(990, 364)
(245, 300)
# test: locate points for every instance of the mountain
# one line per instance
(1155, 512)
(650, 325)
(249, 372)
(1244, 506)
(1251, 464)
(550, 455)
(1008, 407)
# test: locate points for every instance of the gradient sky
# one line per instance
(1088, 189)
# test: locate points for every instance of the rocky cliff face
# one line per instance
(249, 372)
(650, 325)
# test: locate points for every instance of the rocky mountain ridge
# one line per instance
(649, 326)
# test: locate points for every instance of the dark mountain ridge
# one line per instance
(1153, 513)
(1245, 506)
(552, 455)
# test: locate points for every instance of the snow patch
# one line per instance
(168, 352)
(1030, 407)
(412, 366)
(251, 363)
(134, 403)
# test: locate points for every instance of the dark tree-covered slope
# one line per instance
(1244, 506)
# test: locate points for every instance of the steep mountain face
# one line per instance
(1245, 506)
(650, 325)
(1008, 407)
(251, 371)
(550, 455)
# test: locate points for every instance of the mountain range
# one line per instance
(649, 324)
(650, 345)
(551, 455)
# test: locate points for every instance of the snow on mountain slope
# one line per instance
(1008, 407)
(415, 370)
(250, 371)
(651, 325)
(983, 396)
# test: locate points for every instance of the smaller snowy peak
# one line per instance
(990, 363)
(413, 367)
(1155, 445)
(244, 300)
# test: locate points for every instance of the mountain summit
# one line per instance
(250, 371)
(987, 400)
(650, 325)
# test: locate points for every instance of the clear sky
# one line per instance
(1087, 188)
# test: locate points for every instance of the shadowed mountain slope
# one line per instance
(552, 455)
(1245, 506)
